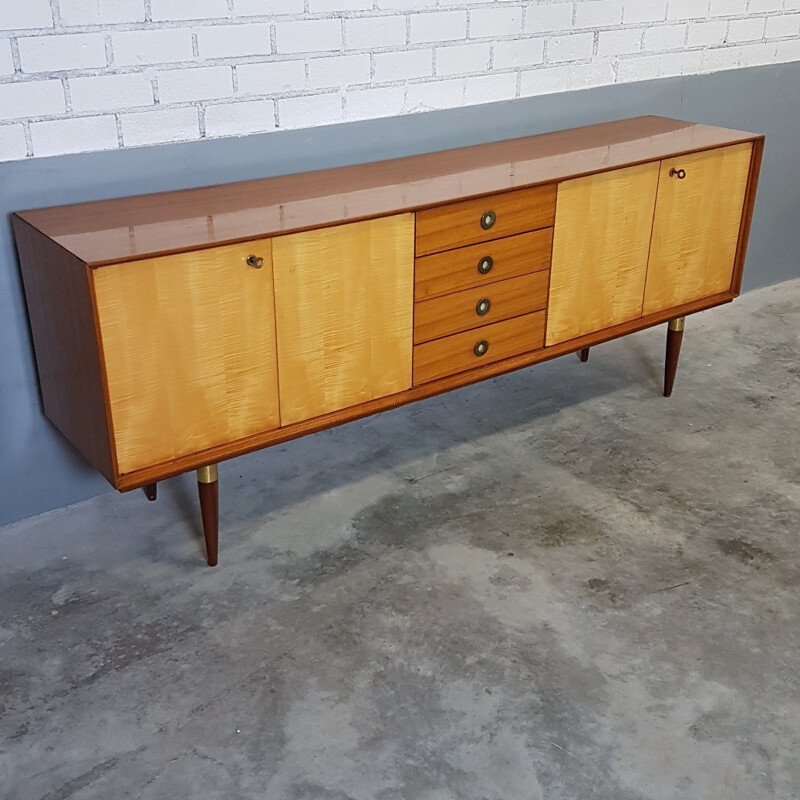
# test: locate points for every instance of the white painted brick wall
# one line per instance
(110, 92)
(6, 58)
(17, 15)
(62, 53)
(373, 33)
(100, 12)
(187, 85)
(53, 137)
(82, 75)
(159, 46)
(163, 125)
(12, 142)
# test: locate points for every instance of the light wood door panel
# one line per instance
(344, 299)
(189, 351)
(600, 247)
(696, 226)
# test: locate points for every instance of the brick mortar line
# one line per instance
(81, 28)
(111, 70)
(337, 88)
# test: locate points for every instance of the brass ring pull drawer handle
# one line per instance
(481, 347)
(485, 265)
(680, 174)
(482, 306)
(488, 219)
(255, 261)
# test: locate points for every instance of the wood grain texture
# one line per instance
(344, 299)
(189, 351)
(459, 224)
(696, 226)
(451, 271)
(421, 392)
(452, 313)
(135, 228)
(600, 247)
(747, 214)
(453, 354)
(65, 342)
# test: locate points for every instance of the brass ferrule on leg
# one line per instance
(207, 474)
(677, 324)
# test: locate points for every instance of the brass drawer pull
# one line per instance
(680, 174)
(485, 265)
(488, 220)
(481, 348)
(255, 261)
(482, 307)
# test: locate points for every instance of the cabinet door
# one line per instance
(600, 246)
(189, 350)
(344, 303)
(696, 226)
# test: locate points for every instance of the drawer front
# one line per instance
(480, 264)
(457, 353)
(473, 308)
(486, 218)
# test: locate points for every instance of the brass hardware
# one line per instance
(207, 474)
(481, 347)
(488, 220)
(680, 174)
(485, 265)
(482, 307)
(677, 324)
(255, 261)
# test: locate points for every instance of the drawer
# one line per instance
(485, 218)
(457, 353)
(473, 308)
(480, 264)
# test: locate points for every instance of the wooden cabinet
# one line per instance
(255, 313)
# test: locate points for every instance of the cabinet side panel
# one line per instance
(344, 306)
(189, 351)
(696, 228)
(600, 245)
(65, 342)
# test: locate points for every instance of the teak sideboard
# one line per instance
(176, 330)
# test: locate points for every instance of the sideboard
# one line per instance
(176, 330)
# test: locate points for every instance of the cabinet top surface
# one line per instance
(110, 231)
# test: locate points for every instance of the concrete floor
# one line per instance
(554, 585)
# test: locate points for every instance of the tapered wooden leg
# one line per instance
(151, 491)
(208, 487)
(583, 354)
(674, 339)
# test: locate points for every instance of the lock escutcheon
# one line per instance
(488, 219)
(482, 306)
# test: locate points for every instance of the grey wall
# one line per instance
(40, 471)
